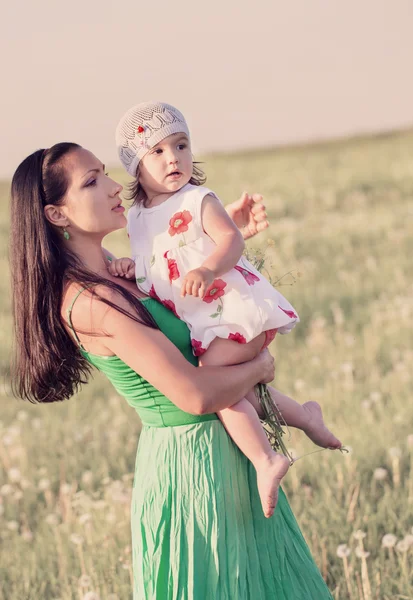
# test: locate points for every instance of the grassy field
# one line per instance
(342, 216)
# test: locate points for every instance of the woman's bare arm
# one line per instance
(151, 354)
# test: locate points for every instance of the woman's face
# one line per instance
(92, 204)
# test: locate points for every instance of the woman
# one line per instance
(197, 527)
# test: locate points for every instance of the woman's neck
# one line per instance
(90, 253)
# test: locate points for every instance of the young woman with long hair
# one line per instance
(197, 526)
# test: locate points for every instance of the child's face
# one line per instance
(167, 166)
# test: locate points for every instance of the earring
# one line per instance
(66, 234)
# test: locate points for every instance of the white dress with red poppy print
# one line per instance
(167, 241)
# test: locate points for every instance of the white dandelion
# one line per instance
(14, 475)
(44, 484)
(52, 519)
(389, 540)
(91, 596)
(343, 551)
(360, 553)
(402, 546)
(12, 525)
(6, 489)
(76, 539)
(380, 474)
(395, 452)
(359, 534)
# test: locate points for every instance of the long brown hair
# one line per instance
(48, 365)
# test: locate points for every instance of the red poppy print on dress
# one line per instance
(215, 291)
(237, 337)
(290, 313)
(153, 294)
(249, 277)
(179, 222)
(170, 306)
(173, 270)
(197, 346)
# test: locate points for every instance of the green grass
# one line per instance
(342, 215)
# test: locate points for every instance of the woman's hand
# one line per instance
(266, 363)
(248, 214)
(122, 267)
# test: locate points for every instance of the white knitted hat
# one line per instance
(142, 127)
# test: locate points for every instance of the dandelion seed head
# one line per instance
(14, 475)
(44, 484)
(76, 539)
(12, 525)
(389, 540)
(343, 551)
(87, 477)
(85, 518)
(52, 519)
(402, 546)
(360, 553)
(65, 488)
(380, 474)
(375, 396)
(6, 489)
(359, 534)
(91, 596)
(27, 535)
(395, 452)
(409, 539)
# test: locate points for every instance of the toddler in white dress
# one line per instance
(187, 253)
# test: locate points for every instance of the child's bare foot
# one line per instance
(316, 429)
(269, 474)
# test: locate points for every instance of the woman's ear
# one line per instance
(55, 216)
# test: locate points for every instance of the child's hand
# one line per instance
(197, 282)
(122, 267)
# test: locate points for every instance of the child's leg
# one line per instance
(243, 425)
(308, 417)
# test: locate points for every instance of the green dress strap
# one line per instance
(69, 316)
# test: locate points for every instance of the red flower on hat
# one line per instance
(290, 313)
(197, 346)
(237, 337)
(170, 306)
(249, 277)
(215, 291)
(140, 129)
(179, 222)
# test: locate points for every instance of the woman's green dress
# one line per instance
(198, 531)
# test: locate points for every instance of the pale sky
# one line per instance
(245, 74)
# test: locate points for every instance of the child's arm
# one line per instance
(229, 247)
